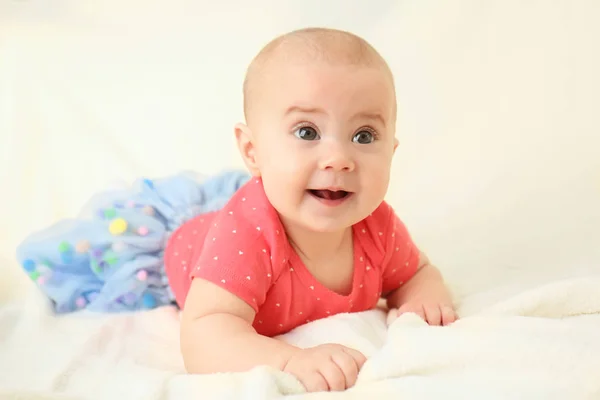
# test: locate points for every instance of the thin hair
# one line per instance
(313, 44)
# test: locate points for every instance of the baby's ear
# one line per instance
(245, 143)
(395, 144)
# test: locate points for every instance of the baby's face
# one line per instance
(324, 141)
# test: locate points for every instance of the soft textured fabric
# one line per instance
(112, 259)
(535, 341)
(244, 249)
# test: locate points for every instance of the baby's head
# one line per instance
(320, 110)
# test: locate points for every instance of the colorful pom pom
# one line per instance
(82, 246)
(142, 275)
(80, 302)
(117, 226)
(97, 253)
(66, 257)
(29, 265)
(149, 210)
(148, 300)
(111, 259)
(110, 213)
(64, 247)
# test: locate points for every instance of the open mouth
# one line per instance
(331, 195)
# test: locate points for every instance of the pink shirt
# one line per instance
(243, 248)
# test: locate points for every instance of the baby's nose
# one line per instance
(338, 159)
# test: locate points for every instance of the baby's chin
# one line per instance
(312, 217)
(322, 224)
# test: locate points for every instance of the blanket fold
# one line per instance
(535, 344)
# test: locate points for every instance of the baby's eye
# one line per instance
(363, 137)
(306, 133)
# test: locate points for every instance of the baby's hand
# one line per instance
(432, 313)
(326, 367)
(427, 296)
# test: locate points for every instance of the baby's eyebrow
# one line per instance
(306, 110)
(375, 116)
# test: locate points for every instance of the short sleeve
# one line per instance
(402, 255)
(236, 257)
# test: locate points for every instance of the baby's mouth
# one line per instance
(329, 194)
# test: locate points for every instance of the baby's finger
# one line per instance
(409, 308)
(348, 366)
(448, 315)
(434, 315)
(358, 357)
(392, 316)
(313, 381)
(333, 375)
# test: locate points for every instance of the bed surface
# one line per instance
(511, 342)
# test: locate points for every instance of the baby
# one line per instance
(309, 236)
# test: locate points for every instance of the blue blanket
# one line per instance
(112, 259)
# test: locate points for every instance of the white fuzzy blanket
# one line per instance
(541, 343)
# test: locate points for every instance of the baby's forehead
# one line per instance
(326, 48)
(309, 48)
(313, 49)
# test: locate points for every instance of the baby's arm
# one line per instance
(217, 336)
(425, 294)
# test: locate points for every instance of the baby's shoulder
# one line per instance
(248, 219)
(249, 205)
(380, 228)
(246, 232)
(380, 219)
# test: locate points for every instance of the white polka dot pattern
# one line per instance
(248, 255)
